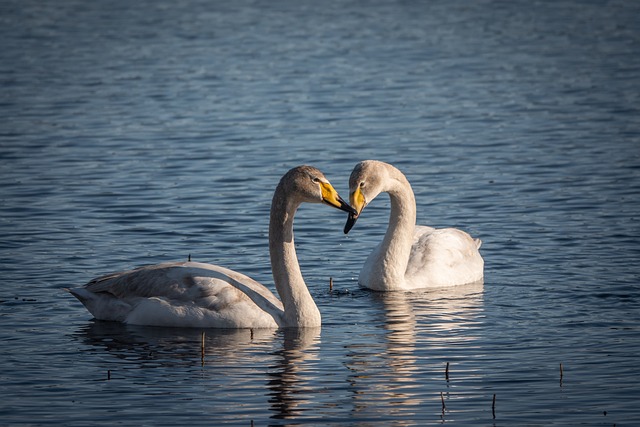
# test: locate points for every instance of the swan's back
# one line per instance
(186, 294)
(443, 257)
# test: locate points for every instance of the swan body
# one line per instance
(192, 294)
(410, 256)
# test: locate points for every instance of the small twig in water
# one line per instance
(330, 284)
(493, 406)
(189, 257)
(561, 374)
(108, 374)
(446, 372)
(202, 349)
(442, 400)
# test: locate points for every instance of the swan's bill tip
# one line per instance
(351, 221)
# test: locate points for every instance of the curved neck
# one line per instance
(397, 242)
(299, 308)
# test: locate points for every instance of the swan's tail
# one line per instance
(478, 243)
(103, 306)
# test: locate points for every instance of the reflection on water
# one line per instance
(291, 386)
(275, 357)
(385, 365)
(170, 346)
(386, 373)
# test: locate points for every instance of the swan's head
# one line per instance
(310, 185)
(365, 183)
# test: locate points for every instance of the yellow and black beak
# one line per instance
(358, 202)
(331, 197)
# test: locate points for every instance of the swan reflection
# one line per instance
(415, 327)
(170, 347)
(291, 382)
(276, 367)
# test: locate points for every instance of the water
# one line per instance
(141, 132)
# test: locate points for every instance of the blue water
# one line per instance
(139, 132)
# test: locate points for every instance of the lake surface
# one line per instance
(139, 132)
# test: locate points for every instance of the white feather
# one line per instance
(411, 256)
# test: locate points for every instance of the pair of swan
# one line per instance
(192, 294)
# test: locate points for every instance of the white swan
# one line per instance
(191, 294)
(409, 256)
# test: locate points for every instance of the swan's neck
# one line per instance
(299, 308)
(397, 242)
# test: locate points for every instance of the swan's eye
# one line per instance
(362, 184)
(316, 179)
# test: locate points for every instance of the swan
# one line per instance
(193, 294)
(410, 256)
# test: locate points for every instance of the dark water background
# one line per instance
(139, 132)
